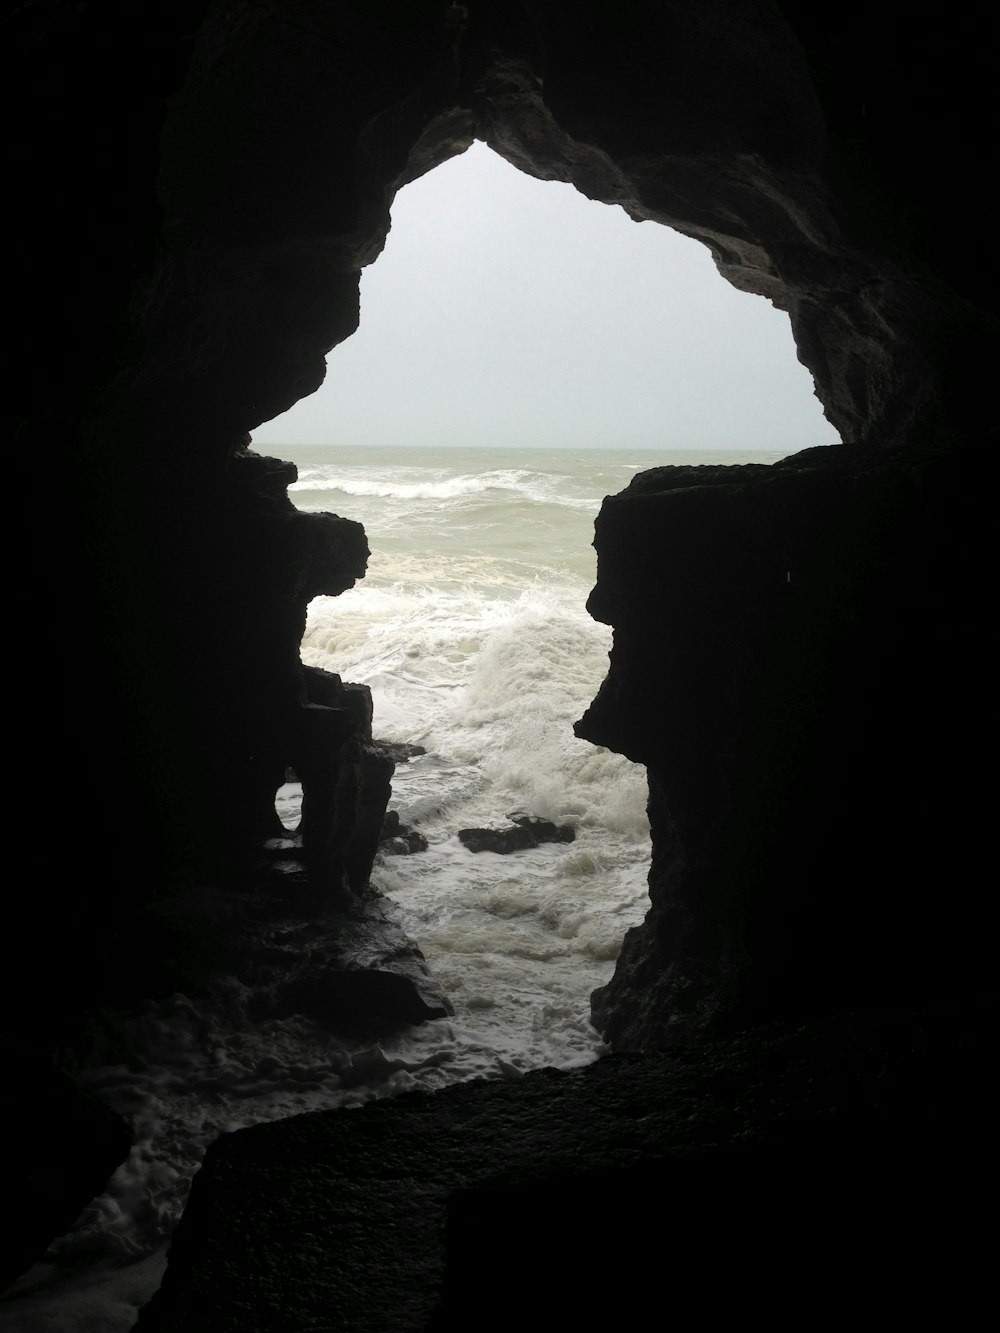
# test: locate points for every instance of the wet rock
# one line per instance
(404, 845)
(293, 954)
(760, 615)
(345, 782)
(544, 830)
(525, 832)
(399, 839)
(502, 841)
(262, 475)
(834, 1149)
(401, 752)
(349, 1000)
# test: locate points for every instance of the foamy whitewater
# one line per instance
(471, 631)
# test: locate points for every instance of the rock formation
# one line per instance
(798, 656)
(806, 615)
(524, 831)
(719, 1183)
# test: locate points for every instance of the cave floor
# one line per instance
(791, 1170)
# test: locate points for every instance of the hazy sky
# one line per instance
(510, 311)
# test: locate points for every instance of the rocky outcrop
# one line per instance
(345, 780)
(780, 637)
(365, 1001)
(832, 1152)
(524, 832)
(292, 943)
(399, 839)
(271, 561)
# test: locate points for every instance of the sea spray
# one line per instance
(471, 630)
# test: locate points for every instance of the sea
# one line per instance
(471, 630)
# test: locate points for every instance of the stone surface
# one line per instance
(349, 965)
(356, 1000)
(526, 831)
(400, 752)
(791, 1173)
(346, 782)
(807, 615)
(399, 839)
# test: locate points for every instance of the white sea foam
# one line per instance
(481, 650)
(490, 678)
(397, 488)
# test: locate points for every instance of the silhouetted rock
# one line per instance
(779, 603)
(291, 949)
(399, 839)
(405, 845)
(526, 831)
(345, 782)
(544, 829)
(351, 1000)
(836, 1148)
(401, 752)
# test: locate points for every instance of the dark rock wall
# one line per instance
(797, 150)
(199, 191)
(798, 662)
(786, 1175)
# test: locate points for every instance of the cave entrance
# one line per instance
(522, 353)
(510, 312)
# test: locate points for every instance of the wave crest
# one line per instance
(451, 488)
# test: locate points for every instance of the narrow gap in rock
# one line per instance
(522, 353)
(288, 802)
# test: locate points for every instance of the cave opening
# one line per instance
(522, 353)
(243, 156)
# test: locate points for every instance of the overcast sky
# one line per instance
(510, 311)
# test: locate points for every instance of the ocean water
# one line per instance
(472, 632)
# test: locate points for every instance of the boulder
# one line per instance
(526, 831)
(401, 752)
(781, 1173)
(352, 1000)
(399, 839)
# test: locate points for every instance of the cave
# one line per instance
(798, 1025)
